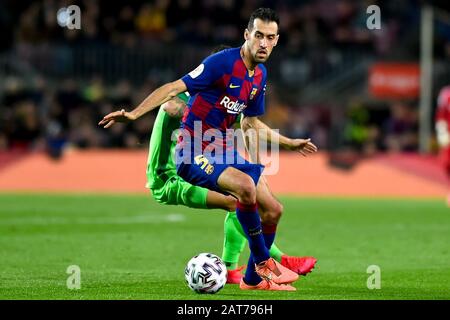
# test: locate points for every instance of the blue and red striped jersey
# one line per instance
(221, 88)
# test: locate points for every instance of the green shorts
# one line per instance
(176, 191)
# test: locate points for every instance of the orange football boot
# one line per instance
(267, 285)
(273, 271)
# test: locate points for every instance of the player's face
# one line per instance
(261, 39)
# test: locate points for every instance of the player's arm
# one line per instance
(174, 107)
(260, 129)
(155, 99)
(303, 146)
(256, 107)
(198, 79)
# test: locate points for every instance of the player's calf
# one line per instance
(271, 215)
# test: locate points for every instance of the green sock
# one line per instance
(234, 241)
(274, 251)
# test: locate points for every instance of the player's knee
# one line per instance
(247, 191)
(277, 212)
(248, 196)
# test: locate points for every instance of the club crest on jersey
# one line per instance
(233, 107)
(252, 94)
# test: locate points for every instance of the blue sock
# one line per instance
(251, 277)
(269, 231)
(251, 223)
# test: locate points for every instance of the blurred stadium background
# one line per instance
(56, 83)
(356, 92)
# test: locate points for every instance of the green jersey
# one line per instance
(166, 186)
(161, 164)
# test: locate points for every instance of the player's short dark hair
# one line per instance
(265, 14)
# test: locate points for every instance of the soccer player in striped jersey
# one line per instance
(225, 85)
(169, 188)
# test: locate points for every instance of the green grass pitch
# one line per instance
(130, 247)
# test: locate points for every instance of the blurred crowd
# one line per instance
(44, 117)
(50, 114)
(305, 25)
(314, 34)
(49, 118)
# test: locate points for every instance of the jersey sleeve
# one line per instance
(256, 106)
(208, 72)
(184, 96)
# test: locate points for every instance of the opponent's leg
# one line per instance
(275, 252)
(233, 244)
(236, 243)
(241, 185)
(234, 236)
(272, 208)
(271, 211)
(177, 191)
(233, 223)
(215, 200)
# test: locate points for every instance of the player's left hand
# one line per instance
(303, 146)
(117, 116)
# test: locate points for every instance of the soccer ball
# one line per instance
(205, 273)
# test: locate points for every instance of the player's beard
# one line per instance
(261, 56)
(256, 57)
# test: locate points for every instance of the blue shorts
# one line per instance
(204, 170)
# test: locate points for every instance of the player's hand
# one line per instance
(303, 146)
(116, 116)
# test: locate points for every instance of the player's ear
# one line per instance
(246, 34)
(276, 39)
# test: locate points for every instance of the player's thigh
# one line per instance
(216, 200)
(180, 192)
(269, 207)
(237, 183)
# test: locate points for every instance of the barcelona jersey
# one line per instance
(221, 88)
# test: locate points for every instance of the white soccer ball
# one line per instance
(205, 273)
